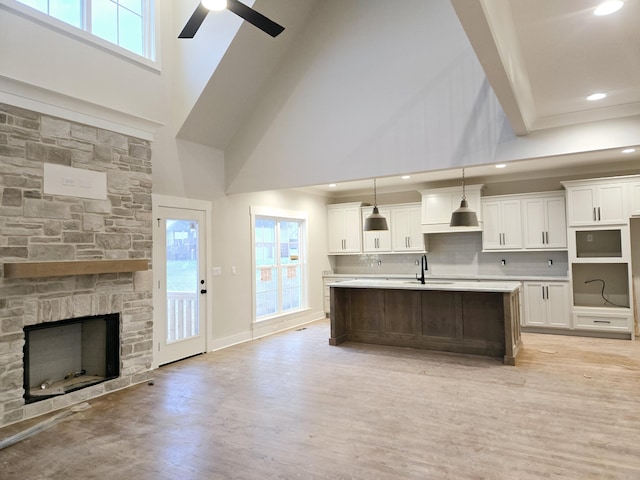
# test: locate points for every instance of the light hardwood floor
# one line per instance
(290, 406)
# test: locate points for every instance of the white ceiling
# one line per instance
(542, 59)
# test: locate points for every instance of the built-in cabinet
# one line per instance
(502, 224)
(547, 304)
(546, 224)
(406, 228)
(534, 221)
(438, 204)
(598, 213)
(344, 228)
(347, 236)
(593, 202)
(634, 193)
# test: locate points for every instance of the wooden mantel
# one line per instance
(75, 267)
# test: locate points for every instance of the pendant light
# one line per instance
(375, 221)
(464, 216)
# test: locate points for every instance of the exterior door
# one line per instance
(182, 283)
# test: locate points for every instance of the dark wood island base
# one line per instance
(473, 322)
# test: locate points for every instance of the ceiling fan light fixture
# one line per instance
(214, 5)
(608, 7)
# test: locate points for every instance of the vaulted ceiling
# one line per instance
(542, 59)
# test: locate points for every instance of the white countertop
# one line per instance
(431, 284)
(459, 277)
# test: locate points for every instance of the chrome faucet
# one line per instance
(423, 268)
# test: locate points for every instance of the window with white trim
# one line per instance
(279, 240)
(126, 23)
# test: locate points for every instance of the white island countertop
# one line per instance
(431, 284)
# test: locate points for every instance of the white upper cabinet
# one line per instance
(502, 223)
(634, 193)
(344, 226)
(406, 228)
(545, 225)
(439, 203)
(377, 240)
(596, 202)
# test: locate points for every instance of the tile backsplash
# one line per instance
(457, 254)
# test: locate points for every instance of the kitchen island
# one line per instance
(481, 318)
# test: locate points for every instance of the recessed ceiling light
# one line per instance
(596, 96)
(501, 165)
(608, 7)
(332, 185)
(628, 150)
(406, 177)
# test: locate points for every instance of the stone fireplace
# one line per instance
(65, 257)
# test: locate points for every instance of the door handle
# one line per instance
(203, 291)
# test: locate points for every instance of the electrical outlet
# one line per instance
(503, 262)
(550, 262)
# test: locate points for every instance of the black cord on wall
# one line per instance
(602, 293)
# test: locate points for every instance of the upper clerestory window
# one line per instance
(126, 23)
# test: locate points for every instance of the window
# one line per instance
(280, 269)
(126, 23)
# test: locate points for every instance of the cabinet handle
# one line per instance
(542, 293)
(546, 237)
(598, 213)
(602, 321)
(594, 214)
(407, 242)
(547, 290)
(542, 237)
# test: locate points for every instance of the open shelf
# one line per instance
(593, 283)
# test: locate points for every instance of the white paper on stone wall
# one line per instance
(74, 182)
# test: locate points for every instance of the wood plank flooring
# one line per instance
(290, 406)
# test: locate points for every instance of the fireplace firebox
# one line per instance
(65, 356)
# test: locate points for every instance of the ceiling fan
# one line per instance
(240, 9)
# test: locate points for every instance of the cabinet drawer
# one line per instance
(618, 323)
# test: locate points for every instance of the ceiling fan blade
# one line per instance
(194, 22)
(255, 18)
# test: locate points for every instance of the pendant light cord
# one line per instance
(375, 201)
(464, 197)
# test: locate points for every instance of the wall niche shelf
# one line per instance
(74, 267)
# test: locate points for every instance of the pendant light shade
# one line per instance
(375, 221)
(464, 216)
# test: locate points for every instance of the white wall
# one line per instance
(373, 89)
(232, 310)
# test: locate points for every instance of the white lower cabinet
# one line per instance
(547, 304)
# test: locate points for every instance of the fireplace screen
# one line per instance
(61, 357)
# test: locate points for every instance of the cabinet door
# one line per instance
(511, 219)
(556, 228)
(352, 230)
(534, 304)
(407, 229)
(534, 223)
(414, 229)
(611, 204)
(635, 198)
(437, 208)
(377, 240)
(492, 228)
(582, 203)
(558, 305)
(335, 230)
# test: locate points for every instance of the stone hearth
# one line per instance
(36, 226)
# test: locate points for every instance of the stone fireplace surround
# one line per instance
(39, 227)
